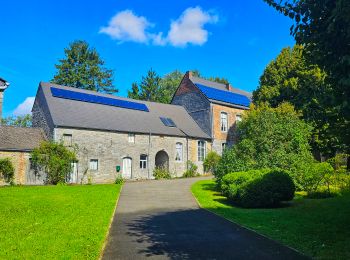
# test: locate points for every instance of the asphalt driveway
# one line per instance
(161, 220)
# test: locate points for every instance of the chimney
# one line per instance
(228, 87)
(3, 86)
(188, 74)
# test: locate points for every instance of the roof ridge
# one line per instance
(105, 94)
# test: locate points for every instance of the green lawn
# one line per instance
(317, 227)
(55, 222)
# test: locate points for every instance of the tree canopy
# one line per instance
(149, 88)
(268, 138)
(21, 121)
(322, 27)
(291, 78)
(83, 68)
(162, 89)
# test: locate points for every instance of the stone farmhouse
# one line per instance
(114, 135)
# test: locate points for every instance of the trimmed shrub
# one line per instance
(119, 179)
(7, 171)
(211, 161)
(258, 189)
(191, 170)
(55, 159)
(232, 182)
(310, 176)
(161, 173)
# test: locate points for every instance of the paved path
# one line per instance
(161, 220)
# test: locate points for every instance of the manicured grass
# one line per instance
(55, 222)
(319, 228)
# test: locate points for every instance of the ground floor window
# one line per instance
(223, 147)
(93, 165)
(201, 151)
(143, 161)
(178, 156)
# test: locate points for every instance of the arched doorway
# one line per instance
(162, 160)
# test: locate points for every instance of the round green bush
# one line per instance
(258, 189)
(7, 171)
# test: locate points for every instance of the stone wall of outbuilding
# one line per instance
(23, 173)
(109, 148)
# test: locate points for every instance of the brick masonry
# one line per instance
(220, 137)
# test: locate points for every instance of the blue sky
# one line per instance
(232, 39)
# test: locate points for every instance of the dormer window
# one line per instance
(167, 121)
(223, 121)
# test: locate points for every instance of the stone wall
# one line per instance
(23, 173)
(188, 96)
(40, 116)
(109, 148)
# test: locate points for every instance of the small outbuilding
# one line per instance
(17, 143)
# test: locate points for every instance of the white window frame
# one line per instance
(223, 147)
(131, 138)
(238, 117)
(66, 140)
(223, 122)
(93, 165)
(179, 152)
(143, 161)
(201, 150)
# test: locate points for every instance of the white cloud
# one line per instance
(126, 26)
(25, 107)
(189, 27)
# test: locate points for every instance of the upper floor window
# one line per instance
(67, 139)
(238, 118)
(93, 165)
(143, 161)
(178, 156)
(201, 151)
(223, 121)
(131, 138)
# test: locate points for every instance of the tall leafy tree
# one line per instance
(148, 89)
(290, 77)
(21, 121)
(323, 27)
(169, 84)
(83, 68)
(268, 138)
(164, 89)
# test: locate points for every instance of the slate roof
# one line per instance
(20, 138)
(78, 114)
(219, 86)
(218, 93)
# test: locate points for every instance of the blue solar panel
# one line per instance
(224, 96)
(90, 98)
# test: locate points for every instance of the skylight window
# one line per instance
(167, 121)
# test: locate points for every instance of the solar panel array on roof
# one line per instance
(224, 96)
(90, 98)
(167, 121)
